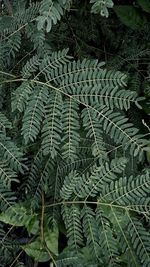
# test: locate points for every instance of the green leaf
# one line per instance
(148, 153)
(51, 239)
(33, 226)
(18, 215)
(145, 5)
(37, 251)
(130, 16)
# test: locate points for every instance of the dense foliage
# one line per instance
(74, 133)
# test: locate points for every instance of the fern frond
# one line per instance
(120, 224)
(90, 229)
(8, 247)
(9, 48)
(52, 125)
(78, 164)
(50, 64)
(43, 181)
(34, 173)
(91, 184)
(7, 176)
(111, 97)
(74, 74)
(21, 96)
(13, 44)
(108, 242)
(50, 13)
(74, 174)
(94, 131)
(24, 16)
(73, 226)
(4, 123)
(101, 6)
(30, 67)
(10, 26)
(69, 185)
(71, 136)
(119, 129)
(36, 37)
(7, 197)
(67, 258)
(11, 153)
(140, 239)
(128, 191)
(34, 114)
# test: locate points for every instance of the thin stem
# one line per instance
(17, 257)
(7, 234)
(50, 254)
(95, 203)
(42, 219)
